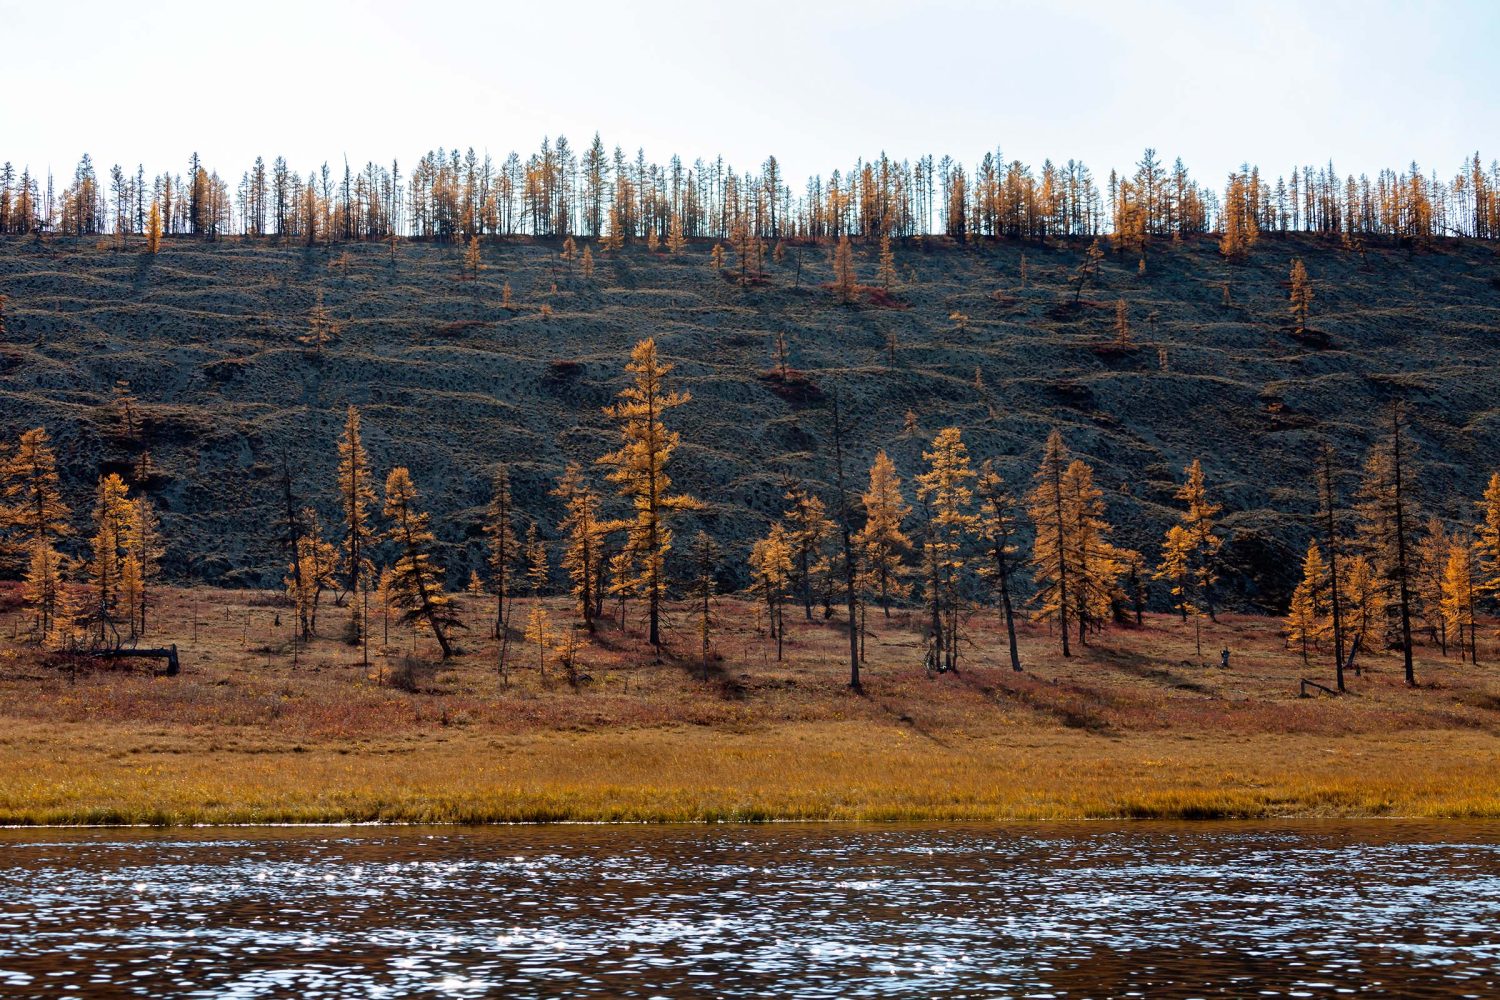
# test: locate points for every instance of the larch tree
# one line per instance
(1176, 570)
(1301, 296)
(1123, 340)
(538, 566)
(48, 605)
(144, 553)
(639, 469)
(586, 266)
(314, 570)
(153, 230)
(997, 527)
(1429, 569)
(1052, 562)
(582, 556)
(503, 545)
(108, 549)
(886, 272)
(1203, 537)
(703, 591)
(1306, 619)
(1458, 596)
(882, 543)
(1099, 564)
(1387, 530)
(676, 239)
(947, 495)
(322, 328)
(1364, 603)
(416, 585)
(844, 281)
(1328, 504)
(808, 531)
(356, 496)
(31, 505)
(770, 576)
(472, 259)
(1488, 553)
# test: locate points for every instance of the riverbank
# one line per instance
(1134, 726)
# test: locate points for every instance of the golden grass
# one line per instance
(1128, 729)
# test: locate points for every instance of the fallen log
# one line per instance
(1302, 691)
(169, 654)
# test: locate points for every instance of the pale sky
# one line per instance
(1369, 84)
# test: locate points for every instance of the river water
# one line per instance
(1096, 910)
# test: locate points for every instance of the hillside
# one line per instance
(450, 383)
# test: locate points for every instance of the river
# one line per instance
(1074, 910)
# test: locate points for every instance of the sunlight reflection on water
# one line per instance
(811, 911)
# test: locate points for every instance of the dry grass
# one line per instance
(1132, 727)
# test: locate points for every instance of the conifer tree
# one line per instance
(1488, 567)
(1202, 538)
(153, 230)
(844, 281)
(1364, 603)
(1176, 569)
(886, 272)
(614, 238)
(639, 468)
(322, 328)
(1099, 564)
(1302, 295)
(144, 553)
(1123, 339)
(472, 260)
(569, 248)
(705, 555)
(1306, 617)
(31, 505)
(1429, 567)
(997, 526)
(503, 545)
(1386, 532)
(1327, 502)
(43, 592)
(587, 264)
(716, 257)
(584, 534)
(506, 302)
(947, 496)
(808, 530)
(356, 495)
(1458, 596)
(882, 544)
(676, 239)
(771, 574)
(1052, 561)
(416, 586)
(108, 549)
(539, 634)
(311, 572)
(538, 567)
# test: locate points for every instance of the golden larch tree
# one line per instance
(583, 532)
(1307, 616)
(882, 544)
(947, 495)
(1302, 295)
(416, 584)
(808, 532)
(770, 577)
(1489, 539)
(844, 281)
(639, 469)
(153, 230)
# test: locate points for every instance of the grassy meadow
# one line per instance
(1136, 725)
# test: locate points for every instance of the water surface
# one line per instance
(1098, 910)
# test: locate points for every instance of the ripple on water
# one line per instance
(1301, 910)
